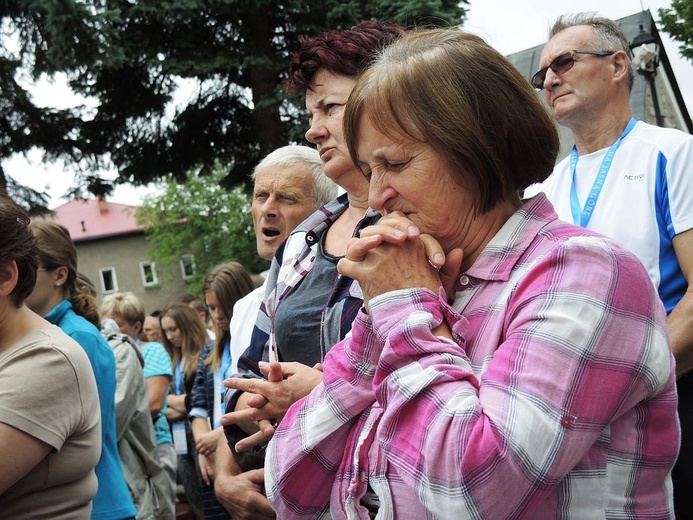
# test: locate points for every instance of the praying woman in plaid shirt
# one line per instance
(530, 376)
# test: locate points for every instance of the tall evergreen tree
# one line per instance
(173, 84)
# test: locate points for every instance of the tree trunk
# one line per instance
(266, 122)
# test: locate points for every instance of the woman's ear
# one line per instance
(9, 275)
(61, 274)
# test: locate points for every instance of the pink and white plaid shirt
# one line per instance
(556, 399)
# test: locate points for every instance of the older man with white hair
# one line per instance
(289, 184)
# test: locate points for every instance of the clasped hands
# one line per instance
(392, 254)
(265, 402)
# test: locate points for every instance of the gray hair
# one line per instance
(608, 35)
(324, 190)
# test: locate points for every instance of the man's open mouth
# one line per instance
(270, 232)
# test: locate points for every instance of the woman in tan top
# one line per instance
(50, 424)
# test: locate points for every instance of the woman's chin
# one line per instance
(337, 168)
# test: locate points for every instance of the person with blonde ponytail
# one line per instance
(58, 298)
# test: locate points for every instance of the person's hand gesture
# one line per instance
(286, 383)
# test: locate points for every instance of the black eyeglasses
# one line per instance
(562, 64)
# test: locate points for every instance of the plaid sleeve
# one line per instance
(304, 456)
(574, 358)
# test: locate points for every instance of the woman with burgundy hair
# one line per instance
(308, 307)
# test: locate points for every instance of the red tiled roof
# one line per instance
(93, 219)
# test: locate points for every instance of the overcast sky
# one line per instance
(508, 25)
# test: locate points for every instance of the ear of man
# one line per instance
(137, 328)
(621, 66)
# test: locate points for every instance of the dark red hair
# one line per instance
(346, 52)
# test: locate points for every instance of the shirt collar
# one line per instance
(502, 253)
(56, 314)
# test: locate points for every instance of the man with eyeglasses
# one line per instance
(627, 180)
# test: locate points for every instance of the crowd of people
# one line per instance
(469, 330)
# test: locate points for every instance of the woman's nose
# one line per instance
(379, 192)
(316, 132)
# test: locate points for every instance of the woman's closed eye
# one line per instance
(395, 165)
(330, 108)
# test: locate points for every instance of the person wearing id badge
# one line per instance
(184, 338)
(128, 311)
(223, 287)
(60, 300)
(628, 180)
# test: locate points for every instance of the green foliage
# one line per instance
(678, 22)
(200, 217)
(35, 202)
(129, 58)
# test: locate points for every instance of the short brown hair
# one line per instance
(18, 243)
(453, 91)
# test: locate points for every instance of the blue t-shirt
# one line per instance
(112, 500)
(157, 362)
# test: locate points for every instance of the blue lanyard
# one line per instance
(179, 379)
(582, 216)
(226, 361)
(219, 376)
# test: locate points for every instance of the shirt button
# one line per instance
(567, 422)
(464, 279)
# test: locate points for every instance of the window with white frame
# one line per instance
(187, 266)
(109, 281)
(148, 274)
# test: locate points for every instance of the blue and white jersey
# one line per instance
(646, 199)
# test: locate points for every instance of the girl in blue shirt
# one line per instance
(59, 300)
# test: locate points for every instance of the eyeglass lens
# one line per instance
(559, 65)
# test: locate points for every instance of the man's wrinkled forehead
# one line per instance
(575, 37)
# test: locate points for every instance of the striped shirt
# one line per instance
(292, 262)
(157, 362)
(556, 399)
